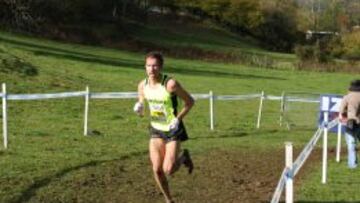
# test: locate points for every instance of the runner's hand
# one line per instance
(139, 108)
(343, 118)
(174, 124)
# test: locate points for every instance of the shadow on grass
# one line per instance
(222, 136)
(350, 182)
(29, 192)
(60, 53)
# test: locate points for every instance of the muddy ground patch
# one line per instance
(219, 176)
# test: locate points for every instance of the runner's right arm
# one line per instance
(139, 105)
(141, 97)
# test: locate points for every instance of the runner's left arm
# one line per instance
(175, 87)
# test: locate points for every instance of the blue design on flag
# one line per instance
(330, 103)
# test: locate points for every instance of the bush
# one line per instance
(336, 47)
(320, 52)
(351, 45)
(278, 28)
(304, 52)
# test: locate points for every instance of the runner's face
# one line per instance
(153, 68)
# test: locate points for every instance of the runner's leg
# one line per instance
(157, 153)
(172, 160)
(351, 145)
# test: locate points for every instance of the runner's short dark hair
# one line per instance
(157, 55)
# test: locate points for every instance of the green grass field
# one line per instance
(49, 160)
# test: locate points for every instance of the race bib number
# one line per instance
(157, 112)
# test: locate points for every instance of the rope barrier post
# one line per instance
(211, 102)
(260, 109)
(86, 113)
(289, 191)
(282, 108)
(325, 140)
(338, 146)
(4, 115)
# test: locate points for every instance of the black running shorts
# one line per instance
(180, 134)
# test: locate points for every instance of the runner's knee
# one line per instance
(158, 170)
(168, 168)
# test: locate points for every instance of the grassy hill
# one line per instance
(207, 41)
(49, 160)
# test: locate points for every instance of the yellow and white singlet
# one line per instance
(162, 104)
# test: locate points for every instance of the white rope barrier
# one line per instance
(271, 97)
(300, 160)
(200, 96)
(292, 99)
(132, 95)
(114, 95)
(237, 97)
(45, 96)
(304, 100)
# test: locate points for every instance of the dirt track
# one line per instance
(219, 176)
